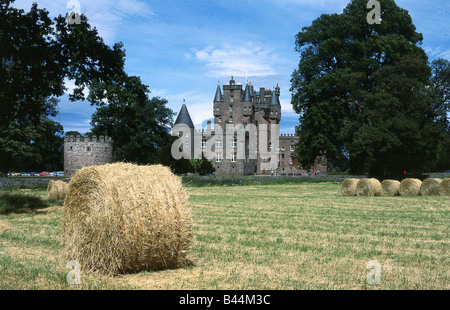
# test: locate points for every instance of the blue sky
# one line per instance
(181, 49)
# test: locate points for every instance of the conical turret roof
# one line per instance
(218, 96)
(247, 94)
(184, 117)
(274, 99)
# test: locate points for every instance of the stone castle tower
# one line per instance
(235, 105)
(81, 151)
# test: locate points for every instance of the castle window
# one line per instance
(217, 109)
(231, 108)
(282, 156)
(231, 99)
(233, 169)
(203, 144)
(292, 148)
(231, 119)
(71, 148)
(233, 157)
(219, 143)
(187, 134)
(290, 160)
(270, 146)
(88, 148)
(219, 120)
(234, 143)
(218, 157)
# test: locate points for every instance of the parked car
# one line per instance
(60, 173)
(45, 174)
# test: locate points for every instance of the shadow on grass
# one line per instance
(21, 203)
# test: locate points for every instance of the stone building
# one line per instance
(260, 108)
(81, 151)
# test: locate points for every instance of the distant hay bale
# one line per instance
(348, 187)
(390, 187)
(4, 226)
(56, 190)
(120, 218)
(444, 187)
(430, 187)
(368, 187)
(410, 187)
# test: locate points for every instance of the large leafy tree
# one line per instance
(30, 74)
(362, 92)
(138, 125)
(440, 90)
(37, 55)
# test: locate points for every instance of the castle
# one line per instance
(262, 109)
(84, 151)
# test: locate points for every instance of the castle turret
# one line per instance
(275, 107)
(184, 117)
(84, 151)
(247, 105)
(218, 100)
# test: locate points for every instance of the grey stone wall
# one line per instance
(27, 182)
(81, 151)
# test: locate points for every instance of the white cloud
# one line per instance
(106, 15)
(437, 52)
(237, 60)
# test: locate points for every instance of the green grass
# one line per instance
(271, 236)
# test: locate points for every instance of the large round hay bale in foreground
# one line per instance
(410, 187)
(430, 187)
(368, 187)
(444, 187)
(121, 218)
(348, 187)
(390, 187)
(56, 190)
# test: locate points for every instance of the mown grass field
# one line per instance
(282, 237)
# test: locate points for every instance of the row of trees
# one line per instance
(368, 99)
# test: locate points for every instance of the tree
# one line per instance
(139, 126)
(165, 158)
(30, 75)
(361, 92)
(440, 91)
(36, 55)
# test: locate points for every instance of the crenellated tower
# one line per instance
(85, 151)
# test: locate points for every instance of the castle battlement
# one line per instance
(94, 138)
(85, 151)
(287, 136)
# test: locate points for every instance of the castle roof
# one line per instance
(274, 99)
(247, 94)
(184, 117)
(218, 96)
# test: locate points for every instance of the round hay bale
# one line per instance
(444, 187)
(390, 187)
(56, 190)
(4, 226)
(430, 187)
(348, 187)
(368, 187)
(410, 187)
(121, 218)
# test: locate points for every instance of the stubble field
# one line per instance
(281, 237)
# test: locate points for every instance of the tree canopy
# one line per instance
(37, 56)
(363, 93)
